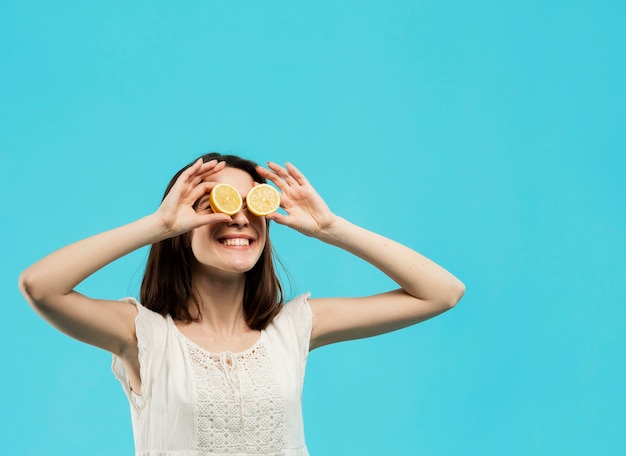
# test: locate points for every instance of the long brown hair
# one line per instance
(167, 289)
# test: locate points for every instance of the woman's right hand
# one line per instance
(177, 212)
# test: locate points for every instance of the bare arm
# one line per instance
(426, 289)
(48, 285)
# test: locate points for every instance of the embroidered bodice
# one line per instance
(195, 402)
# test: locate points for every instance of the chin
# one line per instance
(242, 268)
(229, 265)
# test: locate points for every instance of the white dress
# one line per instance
(195, 403)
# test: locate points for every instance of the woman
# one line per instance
(212, 361)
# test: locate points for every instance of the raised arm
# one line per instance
(426, 289)
(48, 285)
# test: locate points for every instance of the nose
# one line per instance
(240, 219)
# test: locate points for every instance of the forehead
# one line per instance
(236, 177)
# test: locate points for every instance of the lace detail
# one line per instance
(241, 408)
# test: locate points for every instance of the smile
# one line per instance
(235, 242)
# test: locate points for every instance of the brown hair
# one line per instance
(167, 289)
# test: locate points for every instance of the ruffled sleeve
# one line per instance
(150, 328)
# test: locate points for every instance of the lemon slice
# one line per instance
(226, 199)
(262, 200)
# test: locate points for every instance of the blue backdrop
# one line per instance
(487, 135)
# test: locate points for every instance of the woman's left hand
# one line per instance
(306, 210)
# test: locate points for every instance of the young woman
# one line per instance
(212, 360)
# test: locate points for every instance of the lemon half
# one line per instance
(226, 199)
(262, 200)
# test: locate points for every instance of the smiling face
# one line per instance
(233, 247)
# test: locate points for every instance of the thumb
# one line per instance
(214, 217)
(279, 218)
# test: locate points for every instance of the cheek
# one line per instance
(196, 238)
(262, 230)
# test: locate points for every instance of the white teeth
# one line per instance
(236, 241)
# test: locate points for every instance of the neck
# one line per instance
(220, 298)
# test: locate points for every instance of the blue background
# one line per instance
(487, 135)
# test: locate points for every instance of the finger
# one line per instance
(282, 172)
(279, 218)
(196, 174)
(213, 217)
(297, 175)
(209, 168)
(275, 178)
(212, 166)
(190, 172)
(191, 175)
(200, 190)
(199, 167)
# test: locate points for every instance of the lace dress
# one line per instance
(195, 403)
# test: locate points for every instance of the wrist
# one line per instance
(332, 232)
(158, 229)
